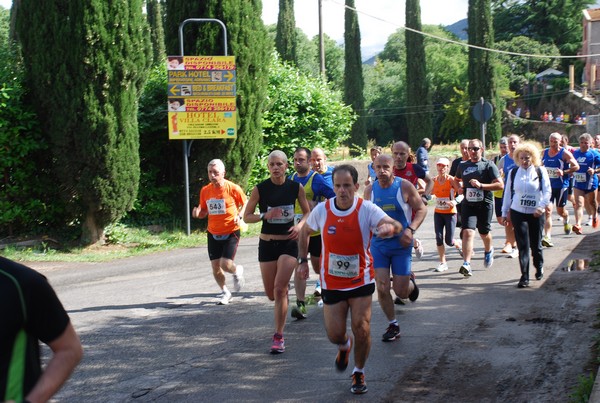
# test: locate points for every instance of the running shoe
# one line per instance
(514, 254)
(418, 249)
(341, 360)
(568, 229)
(317, 292)
(442, 267)
(398, 301)
(414, 294)
(488, 259)
(278, 345)
(539, 273)
(523, 283)
(577, 229)
(465, 269)
(595, 222)
(392, 333)
(225, 298)
(458, 246)
(359, 386)
(507, 248)
(299, 311)
(238, 278)
(589, 222)
(547, 242)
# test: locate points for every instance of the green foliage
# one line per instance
(85, 84)
(157, 33)
(581, 393)
(353, 78)
(300, 111)
(457, 117)
(161, 178)
(518, 67)
(482, 71)
(418, 100)
(286, 41)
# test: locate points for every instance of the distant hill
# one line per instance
(459, 29)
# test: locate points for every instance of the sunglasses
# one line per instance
(474, 148)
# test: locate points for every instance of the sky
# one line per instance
(377, 19)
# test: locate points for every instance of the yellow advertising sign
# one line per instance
(201, 97)
(202, 125)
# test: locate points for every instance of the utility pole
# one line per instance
(321, 42)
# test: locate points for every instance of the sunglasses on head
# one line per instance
(474, 148)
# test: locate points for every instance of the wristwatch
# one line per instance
(412, 231)
(302, 260)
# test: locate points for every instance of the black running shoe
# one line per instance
(415, 292)
(359, 386)
(341, 360)
(392, 333)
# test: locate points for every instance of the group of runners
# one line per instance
(361, 244)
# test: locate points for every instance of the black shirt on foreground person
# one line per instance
(31, 312)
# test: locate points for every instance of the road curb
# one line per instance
(595, 395)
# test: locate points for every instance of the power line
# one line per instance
(460, 43)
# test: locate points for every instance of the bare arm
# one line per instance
(249, 215)
(66, 354)
(574, 165)
(428, 185)
(367, 192)
(294, 232)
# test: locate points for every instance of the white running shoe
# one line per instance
(238, 278)
(589, 223)
(442, 267)
(225, 299)
(418, 249)
(514, 254)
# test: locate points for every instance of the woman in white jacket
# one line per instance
(526, 195)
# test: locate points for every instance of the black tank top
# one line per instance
(283, 196)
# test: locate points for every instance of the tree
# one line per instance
(248, 42)
(286, 41)
(85, 84)
(300, 111)
(418, 100)
(353, 79)
(548, 21)
(157, 33)
(482, 71)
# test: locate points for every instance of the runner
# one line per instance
(223, 202)
(400, 200)
(319, 164)
(479, 178)
(560, 164)
(372, 175)
(586, 182)
(347, 274)
(277, 246)
(505, 164)
(405, 169)
(447, 195)
(316, 190)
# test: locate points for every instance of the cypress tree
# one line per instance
(482, 72)
(86, 62)
(418, 100)
(248, 42)
(286, 41)
(157, 33)
(353, 78)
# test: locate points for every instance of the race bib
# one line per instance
(443, 203)
(297, 218)
(529, 200)
(347, 266)
(552, 173)
(216, 206)
(580, 177)
(287, 215)
(474, 195)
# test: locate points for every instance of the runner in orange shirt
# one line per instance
(223, 202)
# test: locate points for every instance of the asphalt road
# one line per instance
(152, 332)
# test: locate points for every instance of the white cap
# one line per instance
(443, 161)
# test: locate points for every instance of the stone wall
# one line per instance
(571, 103)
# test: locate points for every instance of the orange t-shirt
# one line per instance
(223, 205)
(443, 194)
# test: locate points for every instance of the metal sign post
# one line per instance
(186, 149)
(482, 112)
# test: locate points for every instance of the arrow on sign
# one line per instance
(229, 76)
(174, 90)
